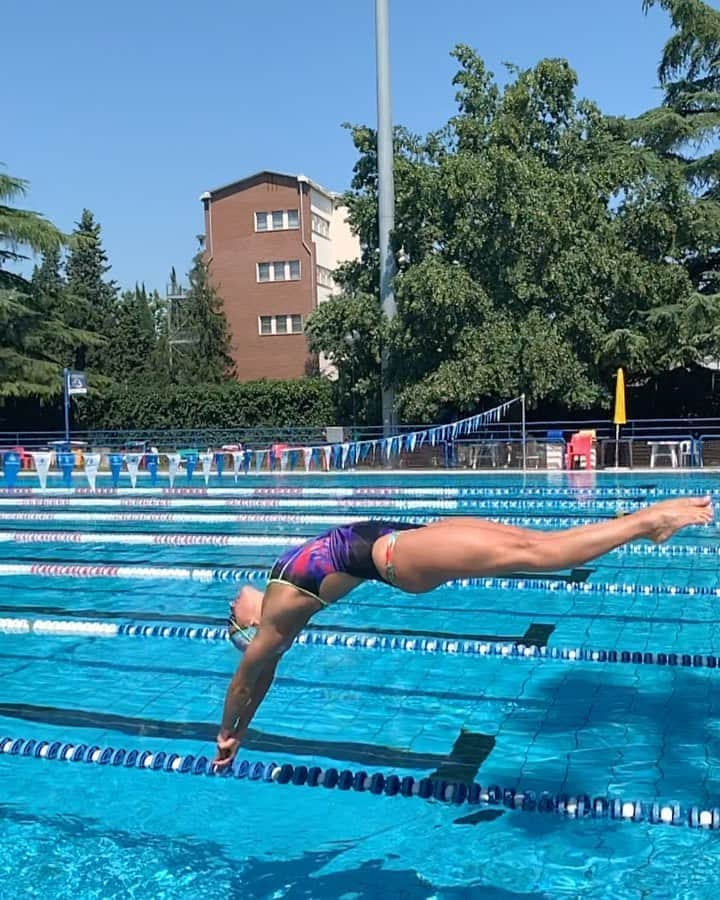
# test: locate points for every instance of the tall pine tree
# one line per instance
(89, 298)
(46, 289)
(683, 221)
(206, 358)
(129, 355)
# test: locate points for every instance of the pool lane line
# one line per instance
(260, 575)
(351, 503)
(365, 641)
(579, 806)
(338, 491)
(280, 540)
(325, 520)
(537, 633)
(147, 539)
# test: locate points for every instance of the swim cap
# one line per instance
(240, 636)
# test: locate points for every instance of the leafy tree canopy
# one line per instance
(541, 243)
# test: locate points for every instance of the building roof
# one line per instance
(241, 182)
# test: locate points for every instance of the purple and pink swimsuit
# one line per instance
(346, 549)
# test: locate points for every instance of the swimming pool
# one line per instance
(406, 686)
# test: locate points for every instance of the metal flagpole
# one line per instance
(617, 444)
(66, 375)
(524, 436)
(386, 193)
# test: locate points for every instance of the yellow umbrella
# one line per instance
(620, 417)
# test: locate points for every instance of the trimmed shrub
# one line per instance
(232, 404)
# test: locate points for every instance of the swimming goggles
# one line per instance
(240, 636)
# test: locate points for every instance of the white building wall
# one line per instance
(346, 245)
(334, 244)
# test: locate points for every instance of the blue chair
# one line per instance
(691, 452)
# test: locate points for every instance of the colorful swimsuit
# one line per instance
(346, 549)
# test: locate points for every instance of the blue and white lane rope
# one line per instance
(363, 503)
(278, 491)
(324, 519)
(144, 539)
(260, 576)
(279, 540)
(360, 640)
(578, 806)
(423, 507)
(334, 503)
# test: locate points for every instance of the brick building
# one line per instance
(272, 241)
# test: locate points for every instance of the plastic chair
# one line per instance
(25, 458)
(579, 448)
(690, 453)
(532, 452)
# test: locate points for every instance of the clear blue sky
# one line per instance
(133, 109)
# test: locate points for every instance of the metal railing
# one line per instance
(499, 445)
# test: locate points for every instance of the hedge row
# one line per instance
(303, 401)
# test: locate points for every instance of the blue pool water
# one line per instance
(636, 731)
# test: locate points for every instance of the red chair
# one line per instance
(579, 448)
(26, 460)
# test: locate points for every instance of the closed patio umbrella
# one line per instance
(620, 417)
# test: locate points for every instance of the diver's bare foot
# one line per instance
(670, 516)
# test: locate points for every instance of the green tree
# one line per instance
(129, 355)
(512, 259)
(46, 299)
(348, 331)
(47, 278)
(206, 358)
(540, 242)
(676, 215)
(21, 230)
(89, 298)
(160, 358)
(30, 332)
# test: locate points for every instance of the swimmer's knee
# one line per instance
(529, 550)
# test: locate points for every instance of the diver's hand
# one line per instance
(227, 747)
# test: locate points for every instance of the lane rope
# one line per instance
(334, 503)
(458, 793)
(359, 503)
(259, 576)
(359, 639)
(339, 491)
(280, 540)
(279, 518)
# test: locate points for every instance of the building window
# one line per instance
(320, 225)
(292, 324)
(279, 270)
(277, 220)
(324, 277)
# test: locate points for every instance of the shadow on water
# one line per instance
(205, 868)
(672, 716)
